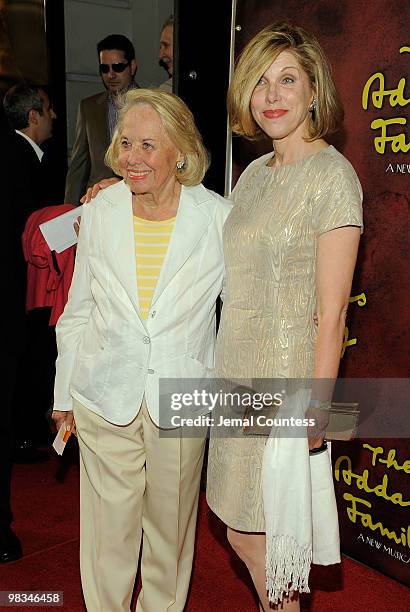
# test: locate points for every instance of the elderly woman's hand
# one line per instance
(61, 417)
(92, 191)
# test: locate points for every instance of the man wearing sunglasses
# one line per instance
(97, 116)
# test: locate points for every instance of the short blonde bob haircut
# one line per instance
(178, 123)
(256, 58)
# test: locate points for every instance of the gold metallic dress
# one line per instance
(267, 324)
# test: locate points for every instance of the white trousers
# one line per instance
(134, 483)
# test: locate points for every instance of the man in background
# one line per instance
(29, 112)
(12, 325)
(30, 117)
(97, 116)
(166, 52)
(26, 121)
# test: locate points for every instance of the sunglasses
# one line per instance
(119, 67)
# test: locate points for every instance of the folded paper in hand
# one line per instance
(59, 232)
(61, 439)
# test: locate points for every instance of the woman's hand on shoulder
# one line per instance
(93, 191)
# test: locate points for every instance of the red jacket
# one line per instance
(49, 273)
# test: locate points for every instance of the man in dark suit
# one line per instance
(12, 330)
(97, 116)
(28, 109)
(30, 117)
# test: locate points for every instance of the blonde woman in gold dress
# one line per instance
(290, 247)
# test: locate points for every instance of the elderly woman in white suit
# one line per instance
(137, 313)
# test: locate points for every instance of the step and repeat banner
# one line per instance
(368, 45)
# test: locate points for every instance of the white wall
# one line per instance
(87, 22)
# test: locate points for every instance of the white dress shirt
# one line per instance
(35, 146)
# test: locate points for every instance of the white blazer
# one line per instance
(108, 357)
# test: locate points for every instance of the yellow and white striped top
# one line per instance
(151, 244)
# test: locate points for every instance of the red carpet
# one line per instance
(45, 502)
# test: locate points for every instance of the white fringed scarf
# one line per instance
(299, 505)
